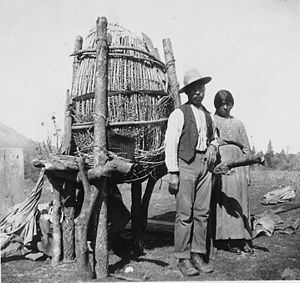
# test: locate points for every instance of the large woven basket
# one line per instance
(138, 102)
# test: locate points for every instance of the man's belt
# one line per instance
(200, 151)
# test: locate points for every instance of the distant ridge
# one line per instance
(10, 138)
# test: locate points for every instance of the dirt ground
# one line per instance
(273, 255)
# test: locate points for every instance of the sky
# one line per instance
(251, 48)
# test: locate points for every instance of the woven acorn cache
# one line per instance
(138, 101)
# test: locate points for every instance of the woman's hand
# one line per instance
(173, 183)
(211, 155)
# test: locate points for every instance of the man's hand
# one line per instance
(211, 155)
(173, 183)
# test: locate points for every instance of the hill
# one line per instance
(10, 138)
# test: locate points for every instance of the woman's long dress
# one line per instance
(230, 191)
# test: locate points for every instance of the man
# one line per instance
(190, 149)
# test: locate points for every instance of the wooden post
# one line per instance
(68, 193)
(157, 174)
(11, 178)
(92, 190)
(84, 269)
(56, 213)
(77, 46)
(67, 126)
(69, 190)
(136, 216)
(101, 81)
(146, 200)
(171, 71)
(68, 226)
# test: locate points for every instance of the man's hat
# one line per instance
(193, 77)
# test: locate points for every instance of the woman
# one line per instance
(230, 197)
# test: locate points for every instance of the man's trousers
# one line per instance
(192, 207)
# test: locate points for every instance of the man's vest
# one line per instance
(189, 135)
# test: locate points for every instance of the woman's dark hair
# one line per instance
(223, 95)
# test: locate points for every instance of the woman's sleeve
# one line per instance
(215, 139)
(244, 139)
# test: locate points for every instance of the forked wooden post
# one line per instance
(171, 71)
(99, 268)
(84, 269)
(100, 119)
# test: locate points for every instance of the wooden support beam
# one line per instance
(67, 166)
(100, 137)
(171, 71)
(57, 163)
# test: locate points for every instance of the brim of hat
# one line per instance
(203, 81)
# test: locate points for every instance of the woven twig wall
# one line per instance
(138, 102)
(131, 66)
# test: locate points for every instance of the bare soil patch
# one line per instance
(272, 255)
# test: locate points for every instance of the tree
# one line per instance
(270, 155)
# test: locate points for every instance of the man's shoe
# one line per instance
(186, 267)
(235, 250)
(247, 249)
(198, 261)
